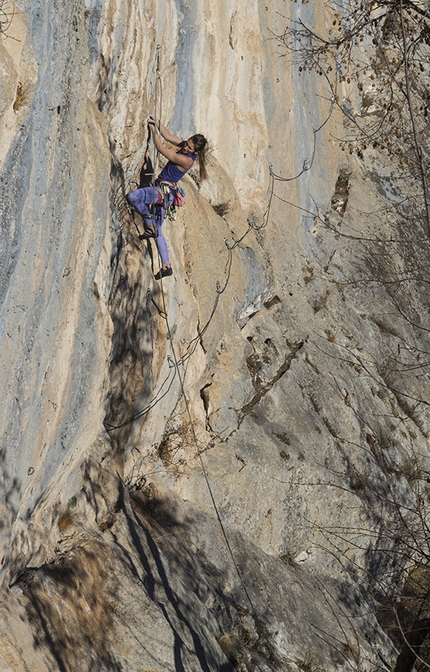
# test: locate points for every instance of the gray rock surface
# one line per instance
(212, 472)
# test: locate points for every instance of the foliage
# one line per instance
(221, 209)
(375, 58)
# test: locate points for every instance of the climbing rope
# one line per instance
(220, 289)
(154, 401)
(307, 163)
(175, 362)
(205, 474)
(158, 106)
(252, 226)
(193, 344)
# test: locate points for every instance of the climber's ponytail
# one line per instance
(200, 145)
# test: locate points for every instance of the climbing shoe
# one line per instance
(163, 273)
(148, 233)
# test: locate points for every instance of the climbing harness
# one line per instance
(173, 197)
(172, 188)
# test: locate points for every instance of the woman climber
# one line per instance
(178, 164)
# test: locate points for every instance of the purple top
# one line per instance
(172, 172)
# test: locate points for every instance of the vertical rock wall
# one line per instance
(180, 460)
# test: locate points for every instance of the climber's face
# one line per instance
(188, 147)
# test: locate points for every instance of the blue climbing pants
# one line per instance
(141, 199)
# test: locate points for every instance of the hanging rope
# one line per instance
(252, 226)
(307, 163)
(158, 106)
(220, 289)
(175, 362)
(205, 474)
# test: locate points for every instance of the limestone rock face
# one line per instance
(215, 471)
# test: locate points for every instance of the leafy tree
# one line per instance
(375, 59)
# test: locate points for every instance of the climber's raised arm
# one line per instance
(183, 158)
(188, 150)
(167, 135)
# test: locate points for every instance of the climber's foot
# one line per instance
(164, 273)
